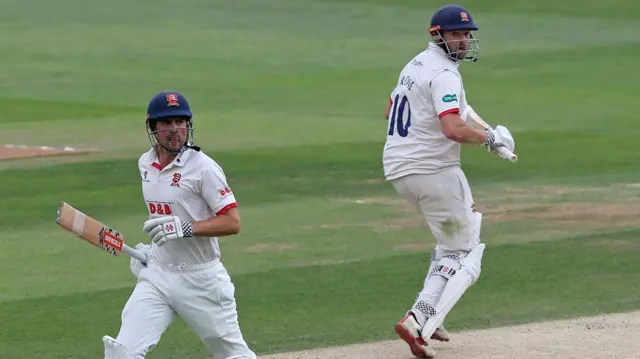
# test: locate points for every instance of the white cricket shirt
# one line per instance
(192, 187)
(429, 86)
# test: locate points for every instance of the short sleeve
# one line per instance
(446, 88)
(216, 190)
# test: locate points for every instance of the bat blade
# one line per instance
(502, 151)
(94, 232)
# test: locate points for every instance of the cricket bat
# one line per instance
(503, 152)
(94, 232)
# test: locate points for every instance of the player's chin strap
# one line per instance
(185, 147)
(195, 148)
(189, 145)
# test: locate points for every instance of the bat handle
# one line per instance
(134, 253)
(506, 154)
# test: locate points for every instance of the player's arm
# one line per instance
(459, 131)
(218, 195)
(220, 199)
(446, 88)
(223, 224)
(169, 228)
(388, 110)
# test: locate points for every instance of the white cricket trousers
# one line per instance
(444, 199)
(203, 296)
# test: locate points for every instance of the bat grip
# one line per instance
(134, 253)
(506, 154)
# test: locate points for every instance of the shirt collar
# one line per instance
(180, 160)
(441, 52)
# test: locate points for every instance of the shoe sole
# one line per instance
(408, 338)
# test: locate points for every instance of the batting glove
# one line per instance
(167, 228)
(134, 264)
(499, 137)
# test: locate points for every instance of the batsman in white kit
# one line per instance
(421, 159)
(190, 205)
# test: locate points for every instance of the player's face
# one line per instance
(171, 133)
(458, 42)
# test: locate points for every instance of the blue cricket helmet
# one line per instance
(168, 104)
(454, 18)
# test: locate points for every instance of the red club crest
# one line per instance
(172, 100)
(175, 182)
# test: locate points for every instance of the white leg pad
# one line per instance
(113, 349)
(455, 288)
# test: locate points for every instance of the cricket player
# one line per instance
(421, 159)
(190, 205)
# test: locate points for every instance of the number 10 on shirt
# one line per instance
(400, 117)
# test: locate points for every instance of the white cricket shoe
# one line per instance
(441, 334)
(409, 330)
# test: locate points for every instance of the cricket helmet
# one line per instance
(167, 104)
(454, 18)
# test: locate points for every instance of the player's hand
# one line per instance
(499, 137)
(167, 228)
(135, 265)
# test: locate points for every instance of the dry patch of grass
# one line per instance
(542, 212)
(270, 247)
(568, 215)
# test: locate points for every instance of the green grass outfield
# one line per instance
(288, 97)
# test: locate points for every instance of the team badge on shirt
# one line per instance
(175, 182)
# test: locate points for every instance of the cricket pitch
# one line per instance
(9, 152)
(602, 336)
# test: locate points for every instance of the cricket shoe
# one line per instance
(441, 334)
(409, 330)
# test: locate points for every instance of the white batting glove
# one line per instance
(135, 265)
(499, 137)
(167, 228)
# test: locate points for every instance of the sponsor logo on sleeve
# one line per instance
(224, 192)
(450, 98)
